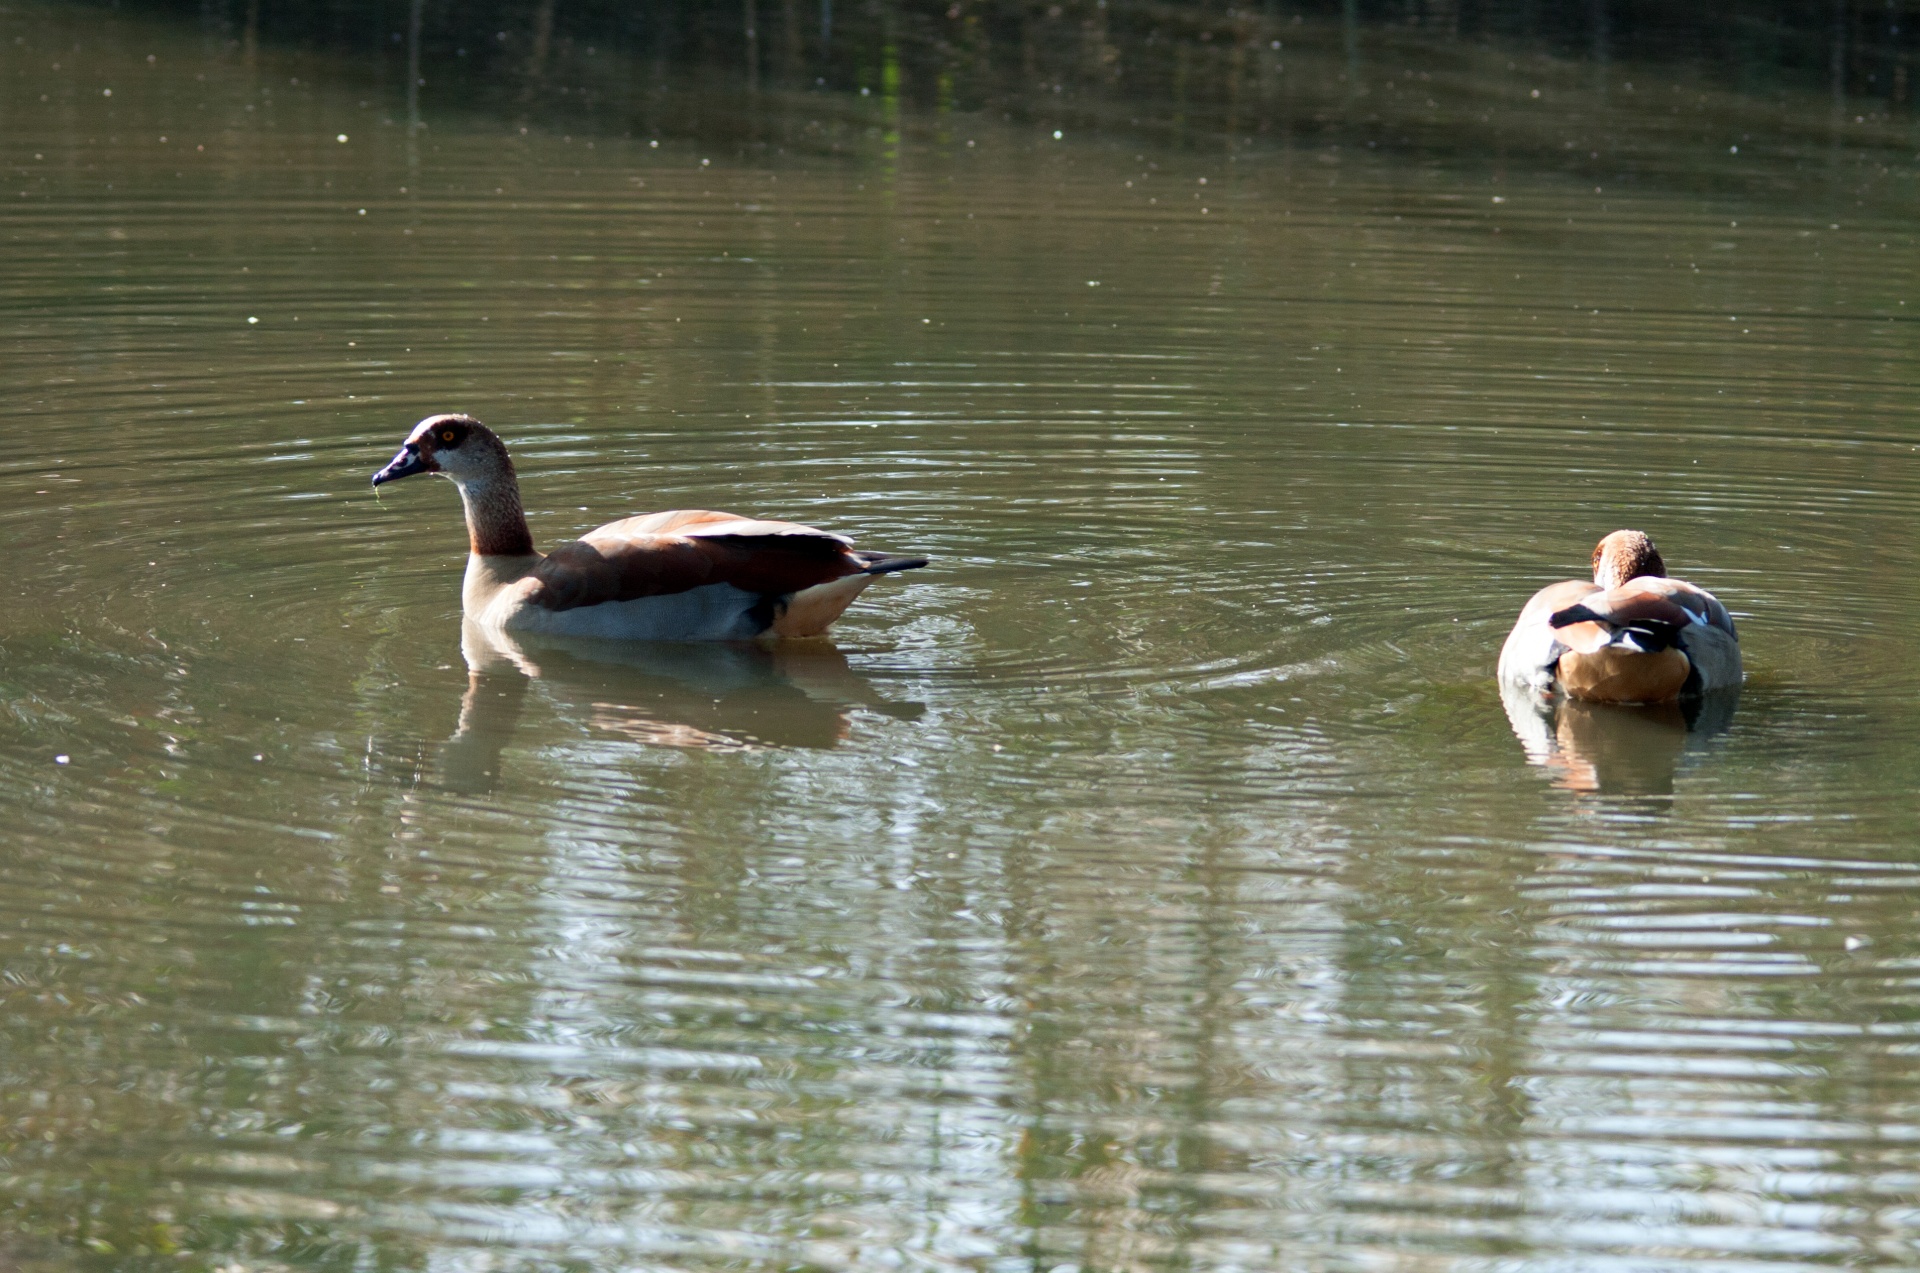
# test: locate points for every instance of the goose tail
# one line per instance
(887, 563)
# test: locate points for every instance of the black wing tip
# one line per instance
(1571, 615)
(882, 564)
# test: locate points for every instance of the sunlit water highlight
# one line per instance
(1155, 882)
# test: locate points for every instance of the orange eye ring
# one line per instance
(447, 436)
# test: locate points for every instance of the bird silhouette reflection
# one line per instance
(710, 696)
(1612, 748)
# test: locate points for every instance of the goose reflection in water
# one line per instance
(1616, 749)
(705, 696)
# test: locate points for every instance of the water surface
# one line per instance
(1155, 882)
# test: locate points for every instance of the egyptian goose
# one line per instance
(681, 576)
(1630, 636)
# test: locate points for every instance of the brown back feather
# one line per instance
(606, 569)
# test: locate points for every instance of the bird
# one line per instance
(1632, 635)
(689, 575)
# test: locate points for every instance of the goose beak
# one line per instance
(405, 464)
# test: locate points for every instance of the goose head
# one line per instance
(454, 446)
(1624, 555)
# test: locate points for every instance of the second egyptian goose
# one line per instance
(1632, 635)
(680, 576)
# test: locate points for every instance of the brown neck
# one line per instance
(1625, 555)
(496, 524)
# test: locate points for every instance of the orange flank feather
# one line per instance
(810, 611)
(1610, 675)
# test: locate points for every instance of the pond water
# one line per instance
(1155, 882)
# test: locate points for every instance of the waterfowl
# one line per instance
(1632, 635)
(691, 575)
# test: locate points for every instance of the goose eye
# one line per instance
(447, 436)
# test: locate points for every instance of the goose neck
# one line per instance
(496, 522)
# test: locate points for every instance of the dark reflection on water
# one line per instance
(716, 697)
(1153, 883)
(1597, 747)
(1362, 70)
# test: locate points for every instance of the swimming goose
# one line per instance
(1630, 636)
(680, 576)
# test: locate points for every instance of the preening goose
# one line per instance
(680, 576)
(1630, 636)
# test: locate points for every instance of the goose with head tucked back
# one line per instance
(681, 576)
(1632, 635)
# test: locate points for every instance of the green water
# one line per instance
(1155, 882)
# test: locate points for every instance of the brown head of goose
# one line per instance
(690, 575)
(1630, 635)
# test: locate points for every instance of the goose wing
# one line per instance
(1702, 607)
(1654, 613)
(664, 553)
(1668, 608)
(1534, 647)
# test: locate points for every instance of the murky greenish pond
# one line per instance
(1155, 882)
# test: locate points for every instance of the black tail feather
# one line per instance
(1571, 615)
(886, 563)
(1644, 634)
